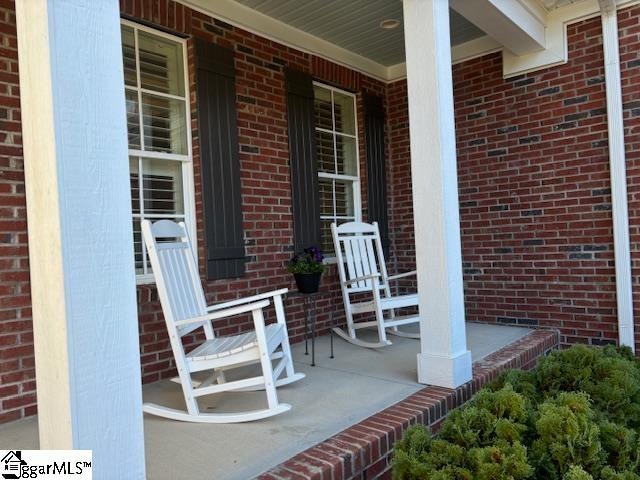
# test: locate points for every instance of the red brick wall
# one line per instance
(265, 184)
(535, 204)
(402, 256)
(265, 180)
(17, 384)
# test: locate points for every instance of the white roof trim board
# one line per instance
(558, 14)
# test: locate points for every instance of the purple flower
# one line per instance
(310, 254)
(307, 261)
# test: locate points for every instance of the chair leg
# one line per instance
(392, 312)
(392, 316)
(187, 389)
(382, 332)
(350, 329)
(265, 360)
(286, 348)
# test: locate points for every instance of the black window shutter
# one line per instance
(217, 124)
(376, 165)
(302, 156)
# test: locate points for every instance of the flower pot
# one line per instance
(307, 282)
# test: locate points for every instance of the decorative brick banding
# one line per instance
(364, 451)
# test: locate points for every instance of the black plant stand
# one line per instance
(310, 306)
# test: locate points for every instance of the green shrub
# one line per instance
(609, 474)
(567, 435)
(489, 416)
(577, 473)
(501, 461)
(621, 446)
(575, 417)
(420, 456)
(523, 382)
(610, 376)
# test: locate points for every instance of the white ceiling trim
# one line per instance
(478, 47)
(397, 72)
(268, 27)
(535, 8)
(260, 24)
(510, 22)
(556, 51)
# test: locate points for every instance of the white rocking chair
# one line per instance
(185, 310)
(358, 247)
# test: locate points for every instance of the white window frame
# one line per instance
(186, 160)
(355, 179)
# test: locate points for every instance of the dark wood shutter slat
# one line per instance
(219, 154)
(374, 119)
(303, 159)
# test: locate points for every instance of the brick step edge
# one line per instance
(364, 450)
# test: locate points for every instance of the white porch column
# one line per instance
(80, 232)
(444, 359)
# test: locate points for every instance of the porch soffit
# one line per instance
(355, 24)
(349, 33)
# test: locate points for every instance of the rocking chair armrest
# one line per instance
(403, 275)
(373, 276)
(242, 301)
(228, 312)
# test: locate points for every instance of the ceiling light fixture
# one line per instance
(389, 24)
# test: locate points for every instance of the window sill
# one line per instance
(145, 280)
(330, 260)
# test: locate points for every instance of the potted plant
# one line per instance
(307, 268)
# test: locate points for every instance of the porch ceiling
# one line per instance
(355, 25)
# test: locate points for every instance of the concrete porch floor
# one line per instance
(336, 394)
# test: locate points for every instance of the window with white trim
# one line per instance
(338, 166)
(160, 159)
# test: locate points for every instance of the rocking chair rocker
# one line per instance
(185, 310)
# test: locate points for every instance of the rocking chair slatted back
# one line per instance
(177, 278)
(358, 247)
